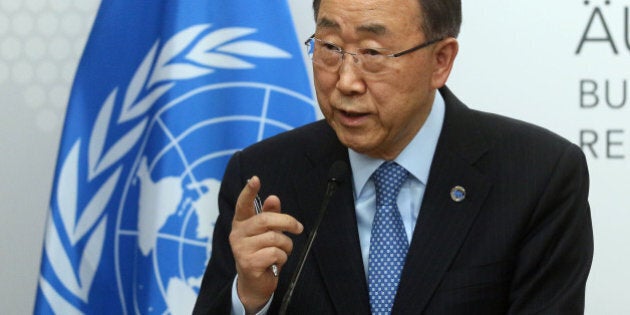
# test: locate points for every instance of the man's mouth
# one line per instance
(351, 119)
(352, 114)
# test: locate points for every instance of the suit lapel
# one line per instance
(336, 249)
(443, 223)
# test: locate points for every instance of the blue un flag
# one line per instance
(165, 93)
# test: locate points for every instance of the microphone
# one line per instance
(336, 175)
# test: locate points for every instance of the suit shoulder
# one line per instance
(496, 130)
(506, 130)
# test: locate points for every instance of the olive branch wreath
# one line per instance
(156, 75)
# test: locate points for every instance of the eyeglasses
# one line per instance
(371, 60)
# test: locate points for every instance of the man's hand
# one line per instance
(258, 242)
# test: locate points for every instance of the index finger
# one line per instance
(245, 203)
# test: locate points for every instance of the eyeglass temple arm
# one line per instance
(412, 49)
(309, 39)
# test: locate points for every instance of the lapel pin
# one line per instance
(458, 193)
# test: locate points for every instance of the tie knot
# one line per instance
(388, 179)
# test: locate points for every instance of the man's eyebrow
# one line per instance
(326, 23)
(376, 29)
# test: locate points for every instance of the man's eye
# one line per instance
(370, 52)
(330, 46)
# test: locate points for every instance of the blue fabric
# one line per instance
(165, 93)
(388, 245)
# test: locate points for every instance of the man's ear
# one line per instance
(444, 55)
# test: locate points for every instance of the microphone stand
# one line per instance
(336, 173)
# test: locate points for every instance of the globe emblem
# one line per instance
(169, 206)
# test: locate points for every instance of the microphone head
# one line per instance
(338, 172)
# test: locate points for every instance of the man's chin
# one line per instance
(355, 144)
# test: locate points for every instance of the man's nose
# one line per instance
(350, 76)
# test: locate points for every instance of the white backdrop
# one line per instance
(517, 58)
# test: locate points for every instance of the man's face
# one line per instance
(376, 114)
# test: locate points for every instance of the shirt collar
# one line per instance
(416, 157)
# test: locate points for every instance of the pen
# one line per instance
(258, 208)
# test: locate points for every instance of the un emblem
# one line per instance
(161, 172)
(173, 188)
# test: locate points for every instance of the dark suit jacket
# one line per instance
(520, 243)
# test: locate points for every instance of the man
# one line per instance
(491, 214)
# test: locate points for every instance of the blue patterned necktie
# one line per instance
(388, 243)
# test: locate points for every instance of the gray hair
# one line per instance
(442, 18)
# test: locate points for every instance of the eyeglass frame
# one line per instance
(342, 52)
